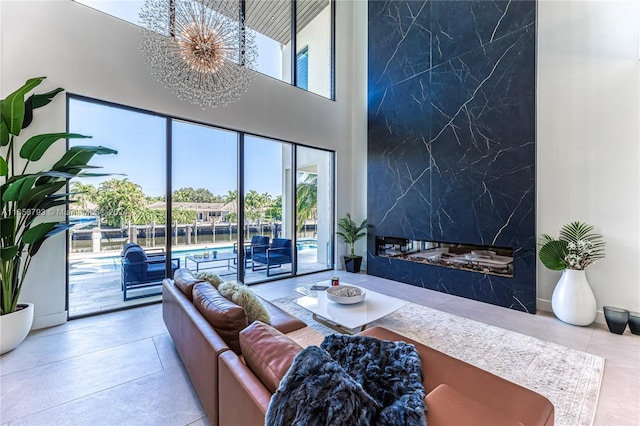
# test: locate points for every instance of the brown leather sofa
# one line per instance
(198, 343)
(235, 387)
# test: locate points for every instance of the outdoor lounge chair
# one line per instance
(140, 270)
(278, 254)
(258, 244)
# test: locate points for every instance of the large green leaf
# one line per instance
(552, 254)
(37, 232)
(43, 99)
(78, 156)
(8, 253)
(4, 167)
(12, 107)
(58, 228)
(7, 228)
(39, 193)
(4, 134)
(37, 101)
(34, 148)
(18, 189)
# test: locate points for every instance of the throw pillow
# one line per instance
(242, 295)
(268, 353)
(211, 278)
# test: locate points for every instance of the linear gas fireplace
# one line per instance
(469, 257)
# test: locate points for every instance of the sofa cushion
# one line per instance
(184, 280)
(225, 317)
(447, 406)
(268, 353)
(242, 295)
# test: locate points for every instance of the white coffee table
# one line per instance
(347, 318)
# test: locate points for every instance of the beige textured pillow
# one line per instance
(211, 278)
(242, 295)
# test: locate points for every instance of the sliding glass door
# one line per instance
(267, 200)
(186, 195)
(314, 209)
(204, 198)
(111, 211)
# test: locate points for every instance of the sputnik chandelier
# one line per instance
(199, 49)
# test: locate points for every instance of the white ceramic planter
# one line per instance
(14, 328)
(573, 301)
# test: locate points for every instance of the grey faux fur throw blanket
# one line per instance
(351, 380)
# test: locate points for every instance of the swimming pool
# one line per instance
(101, 264)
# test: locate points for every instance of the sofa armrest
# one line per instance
(281, 320)
(447, 406)
(197, 344)
(496, 393)
(243, 398)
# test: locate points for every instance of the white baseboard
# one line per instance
(49, 320)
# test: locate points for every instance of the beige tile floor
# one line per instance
(122, 368)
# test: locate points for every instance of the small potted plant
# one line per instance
(576, 248)
(350, 233)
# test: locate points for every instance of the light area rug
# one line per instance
(569, 378)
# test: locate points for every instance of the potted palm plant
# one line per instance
(576, 248)
(350, 233)
(28, 196)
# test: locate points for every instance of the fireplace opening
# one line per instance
(469, 257)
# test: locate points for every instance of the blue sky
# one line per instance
(203, 157)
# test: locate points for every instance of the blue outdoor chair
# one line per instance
(258, 244)
(278, 254)
(140, 270)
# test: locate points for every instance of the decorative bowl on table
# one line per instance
(346, 294)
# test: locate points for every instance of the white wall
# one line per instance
(316, 35)
(92, 54)
(588, 141)
(358, 92)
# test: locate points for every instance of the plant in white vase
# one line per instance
(576, 248)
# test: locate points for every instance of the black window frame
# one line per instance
(169, 119)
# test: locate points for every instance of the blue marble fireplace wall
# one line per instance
(451, 139)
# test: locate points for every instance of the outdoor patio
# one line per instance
(92, 292)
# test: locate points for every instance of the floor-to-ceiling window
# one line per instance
(314, 209)
(115, 209)
(178, 194)
(267, 207)
(204, 197)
